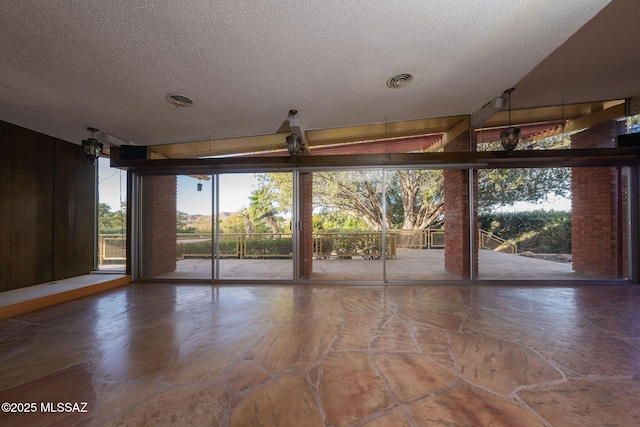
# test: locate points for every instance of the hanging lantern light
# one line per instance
(92, 148)
(511, 135)
(295, 143)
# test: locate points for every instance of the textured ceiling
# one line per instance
(67, 65)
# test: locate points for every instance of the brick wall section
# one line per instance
(598, 219)
(306, 219)
(457, 260)
(159, 199)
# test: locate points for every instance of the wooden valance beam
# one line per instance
(590, 157)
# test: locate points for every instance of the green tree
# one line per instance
(335, 220)
(420, 204)
(182, 221)
(248, 226)
(355, 193)
(234, 223)
(105, 216)
(415, 198)
(504, 187)
(201, 223)
(263, 206)
(110, 222)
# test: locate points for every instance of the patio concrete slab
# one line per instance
(409, 264)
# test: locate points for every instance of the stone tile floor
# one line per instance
(166, 354)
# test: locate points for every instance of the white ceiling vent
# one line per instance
(179, 100)
(399, 80)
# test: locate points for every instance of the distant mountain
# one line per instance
(202, 222)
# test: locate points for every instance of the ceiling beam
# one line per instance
(487, 111)
(380, 131)
(460, 128)
(589, 157)
(221, 147)
(580, 116)
(551, 113)
(314, 138)
(613, 112)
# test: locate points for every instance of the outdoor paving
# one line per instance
(409, 264)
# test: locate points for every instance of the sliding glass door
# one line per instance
(387, 225)
(348, 222)
(415, 209)
(175, 227)
(253, 227)
(552, 224)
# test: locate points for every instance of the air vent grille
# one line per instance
(179, 100)
(399, 80)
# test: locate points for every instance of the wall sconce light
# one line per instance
(92, 148)
(295, 143)
(510, 136)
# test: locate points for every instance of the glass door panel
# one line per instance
(254, 234)
(415, 234)
(112, 216)
(552, 224)
(176, 227)
(348, 217)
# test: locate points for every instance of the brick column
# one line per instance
(158, 228)
(457, 219)
(598, 217)
(306, 221)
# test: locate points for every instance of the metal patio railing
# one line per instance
(345, 244)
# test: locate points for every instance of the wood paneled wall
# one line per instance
(47, 209)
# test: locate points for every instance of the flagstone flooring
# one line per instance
(167, 354)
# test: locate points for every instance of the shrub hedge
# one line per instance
(256, 248)
(269, 248)
(193, 248)
(542, 232)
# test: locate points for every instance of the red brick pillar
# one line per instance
(158, 225)
(598, 216)
(306, 221)
(457, 217)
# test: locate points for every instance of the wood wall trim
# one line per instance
(25, 300)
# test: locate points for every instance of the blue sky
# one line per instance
(112, 185)
(235, 190)
(234, 193)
